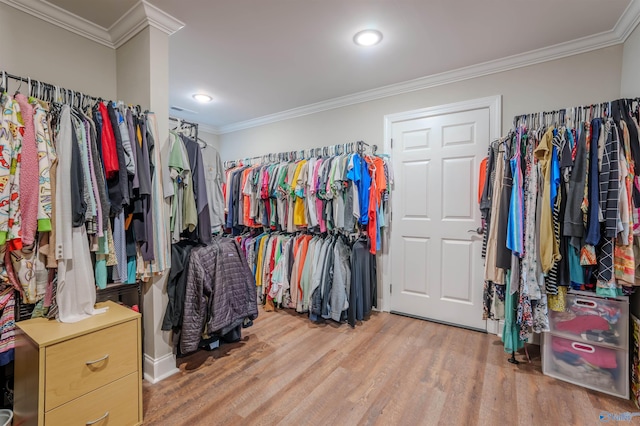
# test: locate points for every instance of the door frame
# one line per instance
(494, 104)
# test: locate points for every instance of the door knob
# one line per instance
(479, 230)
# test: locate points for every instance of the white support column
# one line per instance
(143, 79)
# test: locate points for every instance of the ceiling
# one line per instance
(258, 58)
(103, 13)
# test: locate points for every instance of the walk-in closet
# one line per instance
(319, 213)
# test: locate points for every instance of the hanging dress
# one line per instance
(76, 293)
(511, 330)
(493, 273)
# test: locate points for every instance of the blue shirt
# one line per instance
(360, 176)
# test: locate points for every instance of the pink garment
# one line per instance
(600, 357)
(583, 323)
(321, 222)
(265, 184)
(29, 173)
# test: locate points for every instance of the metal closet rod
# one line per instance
(350, 147)
(33, 82)
(180, 120)
(575, 112)
(191, 124)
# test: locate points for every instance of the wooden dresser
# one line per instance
(85, 373)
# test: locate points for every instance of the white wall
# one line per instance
(630, 84)
(143, 79)
(137, 73)
(577, 80)
(132, 65)
(586, 78)
(210, 138)
(33, 48)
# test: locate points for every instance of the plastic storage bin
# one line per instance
(6, 417)
(593, 320)
(589, 365)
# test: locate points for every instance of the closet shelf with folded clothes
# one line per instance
(81, 196)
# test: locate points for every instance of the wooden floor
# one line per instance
(390, 370)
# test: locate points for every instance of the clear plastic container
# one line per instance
(6, 417)
(594, 320)
(592, 366)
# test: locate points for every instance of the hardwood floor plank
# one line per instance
(389, 370)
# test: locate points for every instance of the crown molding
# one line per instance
(623, 28)
(161, 20)
(62, 18)
(128, 25)
(209, 129)
(628, 21)
(142, 14)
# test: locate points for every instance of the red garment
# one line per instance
(264, 191)
(482, 178)
(108, 142)
(583, 323)
(304, 247)
(376, 170)
(600, 357)
(267, 258)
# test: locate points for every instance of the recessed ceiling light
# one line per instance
(367, 37)
(201, 97)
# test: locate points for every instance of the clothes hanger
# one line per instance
(18, 89)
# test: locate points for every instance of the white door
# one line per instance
(436, 265)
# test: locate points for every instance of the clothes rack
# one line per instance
(576, 113)
(108, 166)
(329, 150)
(564, 143)
(193, 127)
(48, 91)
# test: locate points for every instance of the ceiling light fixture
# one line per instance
(367, 37)
(202, 98)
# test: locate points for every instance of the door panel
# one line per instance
(417, 139)
(458, 134)
(456, 271)
(457, 177)
(416, 205)
(416, 257)
(436, 269)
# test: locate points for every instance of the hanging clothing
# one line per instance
(220, 292)
(213, 172)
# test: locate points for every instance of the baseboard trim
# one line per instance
(159, 369)
(438, 321)
(493, 327)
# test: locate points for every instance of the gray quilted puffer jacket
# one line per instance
(220, 294)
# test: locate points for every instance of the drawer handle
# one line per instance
(93, 422)
(583, 348)
(585, 302)
(95, 361)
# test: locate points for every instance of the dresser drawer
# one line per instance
(115, 404)
(593, 320)
(85, 363)
(595, 367)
